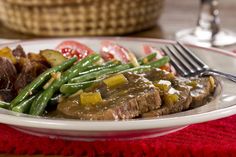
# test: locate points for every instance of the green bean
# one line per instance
(92, 75)
(138, 69)
(71, 88)
(55, 100)
(30, 88)
(160, 62)
(79, 84)
(35, 102)
(112, 62)
(5, 105)
(97, 74)
(147, 58)
(154, 64)
(39, 104)
(24, 106)
(76, 86)
(98, 68)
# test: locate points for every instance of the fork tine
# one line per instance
(181, 61)
(175, 63)
(186, 58)
(192, 55)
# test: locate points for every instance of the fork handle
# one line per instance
(221, 74)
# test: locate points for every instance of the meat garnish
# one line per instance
(8, 75)
(16, 75)
(7, 94)
(33, 57)
(29, 71)
(19, 52)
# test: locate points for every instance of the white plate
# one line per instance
(223, 106)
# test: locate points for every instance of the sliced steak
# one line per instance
(193, 92)
(201, 92)
(183, 103)
(124, 102)
(173, 87)
(158, 74)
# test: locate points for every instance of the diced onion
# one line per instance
(115, 80)
(55, 76)
(91, 98)
(133, 59)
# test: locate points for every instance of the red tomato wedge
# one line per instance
(150, 49)
(71, 48)
(111, 50)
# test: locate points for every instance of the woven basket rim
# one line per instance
(96, 19)
(61, 2)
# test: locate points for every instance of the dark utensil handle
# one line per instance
(221, 74)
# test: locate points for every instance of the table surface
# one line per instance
(176, 16)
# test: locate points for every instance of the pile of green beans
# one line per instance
(33, 99)
(5, 105)
(39, 81)
(39, 104)
(82, 82)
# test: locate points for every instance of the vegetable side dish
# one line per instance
(73, 81)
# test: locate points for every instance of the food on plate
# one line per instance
(71, 48)
(201, 88)
(28, 71)
(179, 93)
(17, 70)
(123, 98)
(159, 54)
(75, 82)
(19, 52)
(7, 78)
(7, 53)
(110, 50)
(53, 57)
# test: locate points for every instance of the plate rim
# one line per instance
(55, 124)
(154, 40)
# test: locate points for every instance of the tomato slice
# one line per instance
(111, 50)
(150, 49)
(72, 48)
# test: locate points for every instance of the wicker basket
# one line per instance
(79, 17)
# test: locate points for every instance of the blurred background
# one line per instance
(19, 15)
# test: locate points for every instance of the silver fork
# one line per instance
(187, 64)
